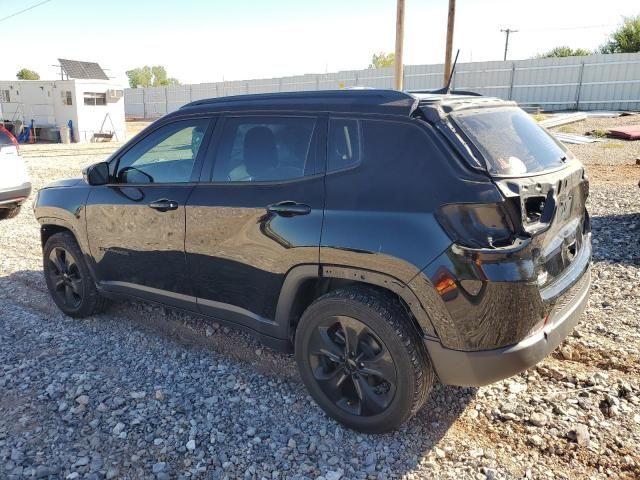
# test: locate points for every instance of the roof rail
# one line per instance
(361, 95)
(378, 101)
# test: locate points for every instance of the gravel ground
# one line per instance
(144, 392)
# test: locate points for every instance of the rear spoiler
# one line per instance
(446, 91)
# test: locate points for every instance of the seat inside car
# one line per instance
(260, 153)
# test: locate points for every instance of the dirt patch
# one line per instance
(614, 174)
(597, 358)
(610, 151)
(136, 126)
(561, 453)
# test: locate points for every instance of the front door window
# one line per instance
(168, 155)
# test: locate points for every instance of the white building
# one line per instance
(93, 106)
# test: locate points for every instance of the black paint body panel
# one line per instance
(135, 244)
(238, 253)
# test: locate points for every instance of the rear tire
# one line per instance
(68, 278)
(7, 213)
(362, 359)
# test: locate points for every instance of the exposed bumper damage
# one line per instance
(456, 367)
(499, 311)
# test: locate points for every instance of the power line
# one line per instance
(24, 10)
(582, 27)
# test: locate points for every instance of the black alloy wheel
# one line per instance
(352, 366)
(362, 359)
(66, 277)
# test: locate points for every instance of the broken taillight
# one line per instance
(534, 207)
(477, 225)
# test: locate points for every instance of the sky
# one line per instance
(213, 40)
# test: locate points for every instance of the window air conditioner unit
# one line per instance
(115, 94)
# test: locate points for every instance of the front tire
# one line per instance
(68, 278)
(362, 359)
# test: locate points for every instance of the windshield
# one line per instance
(511, 142)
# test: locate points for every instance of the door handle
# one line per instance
(289, 208)
(164, 205)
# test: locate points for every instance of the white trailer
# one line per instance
(95, 107)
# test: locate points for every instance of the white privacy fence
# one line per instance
(595, 82)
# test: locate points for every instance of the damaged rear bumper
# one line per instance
(476, 368)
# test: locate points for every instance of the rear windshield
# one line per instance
(5, 138)
(511, 142)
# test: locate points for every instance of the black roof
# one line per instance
(390, 102)
(379, 101)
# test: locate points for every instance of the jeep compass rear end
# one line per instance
(517, 277)
(386, 238)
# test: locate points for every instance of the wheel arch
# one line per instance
(49, 226)
(306, 283)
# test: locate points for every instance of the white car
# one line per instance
(15, 184)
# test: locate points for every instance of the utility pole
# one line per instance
(398, 72)
(508, 31)
(449, 49)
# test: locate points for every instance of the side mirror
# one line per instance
(97, 174)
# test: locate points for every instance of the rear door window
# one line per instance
(265, 149)
(510, 141)
(343, 144)
(400, 165)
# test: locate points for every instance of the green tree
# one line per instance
(140, 77)
(159, 75)
(382, 60)
(626, 39)
(147, 76)
(564, 51)
(26, 74)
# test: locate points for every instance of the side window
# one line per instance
(94, 98)
(402, 164)
(258, 149)
(168, 155)
(343, 144)
(67, 98)
(400, 151)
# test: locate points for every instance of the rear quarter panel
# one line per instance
(380, 214)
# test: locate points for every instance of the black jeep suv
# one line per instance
(387, 238)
